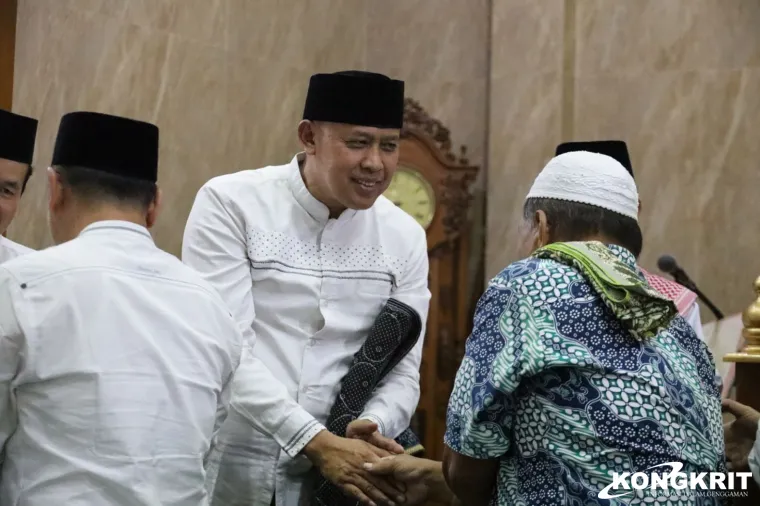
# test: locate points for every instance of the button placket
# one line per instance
(323, 303)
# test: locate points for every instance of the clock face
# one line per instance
(410, 191)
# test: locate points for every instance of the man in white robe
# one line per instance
(306, 254)
(115, 358)
(17, 136)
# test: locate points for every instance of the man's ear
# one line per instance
(541, 223)
(56, 193)
(307, 136)
(153, 209)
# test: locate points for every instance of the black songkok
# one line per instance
(119, 146)
(356, 98)
(614, 149)
(17, 135)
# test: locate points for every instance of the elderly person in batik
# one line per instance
(576, 368)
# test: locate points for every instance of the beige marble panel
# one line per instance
(525, 113)
(424, 40)
(440, 49)
(631, 37)
(526, 37)
(263, 113)
(110, 8)
(199, 20)
(119, 85)
(524, 129)
(294, 32)
(693, 143)
(180, 177)
(193, 99)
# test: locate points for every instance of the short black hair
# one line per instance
(29, 171)
(98, 186)
(573, 221)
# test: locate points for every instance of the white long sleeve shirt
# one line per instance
(305, 290)
(10, 250)
(115, 366)
(694, 319)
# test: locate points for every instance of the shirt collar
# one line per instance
(115, 226)
(623, 255)
(305, 199)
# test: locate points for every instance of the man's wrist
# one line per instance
(315, 448)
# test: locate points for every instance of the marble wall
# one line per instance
(226, 79)
(440, 47)
(678, 81)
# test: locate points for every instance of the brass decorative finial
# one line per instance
(751, 322)
(750, 332)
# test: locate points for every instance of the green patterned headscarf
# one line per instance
(641, 309)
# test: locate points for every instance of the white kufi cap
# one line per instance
(588, 178)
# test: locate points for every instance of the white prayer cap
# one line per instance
(588, 178)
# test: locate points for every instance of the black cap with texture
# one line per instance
(355, 97)
(112, 144)
(614, 148)
(17, 136)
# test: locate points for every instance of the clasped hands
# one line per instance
(348, 463)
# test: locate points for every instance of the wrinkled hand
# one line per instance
(739, 434)
(417, 475)
(341, 461)
(368, 431)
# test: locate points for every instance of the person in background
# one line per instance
(307, 255)
(684, 299)
(576, 367)
(742, 441)
(422, 479)
(17, 138)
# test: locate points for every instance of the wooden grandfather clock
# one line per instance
(432, 185)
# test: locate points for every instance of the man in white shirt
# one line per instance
(684, 299)
(306, 255)
(17, 136)
(114, 356)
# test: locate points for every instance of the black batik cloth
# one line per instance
(394, 333)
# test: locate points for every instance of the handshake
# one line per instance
(373, 469)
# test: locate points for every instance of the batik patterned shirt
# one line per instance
(555, 388)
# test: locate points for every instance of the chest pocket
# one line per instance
(362, 295)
